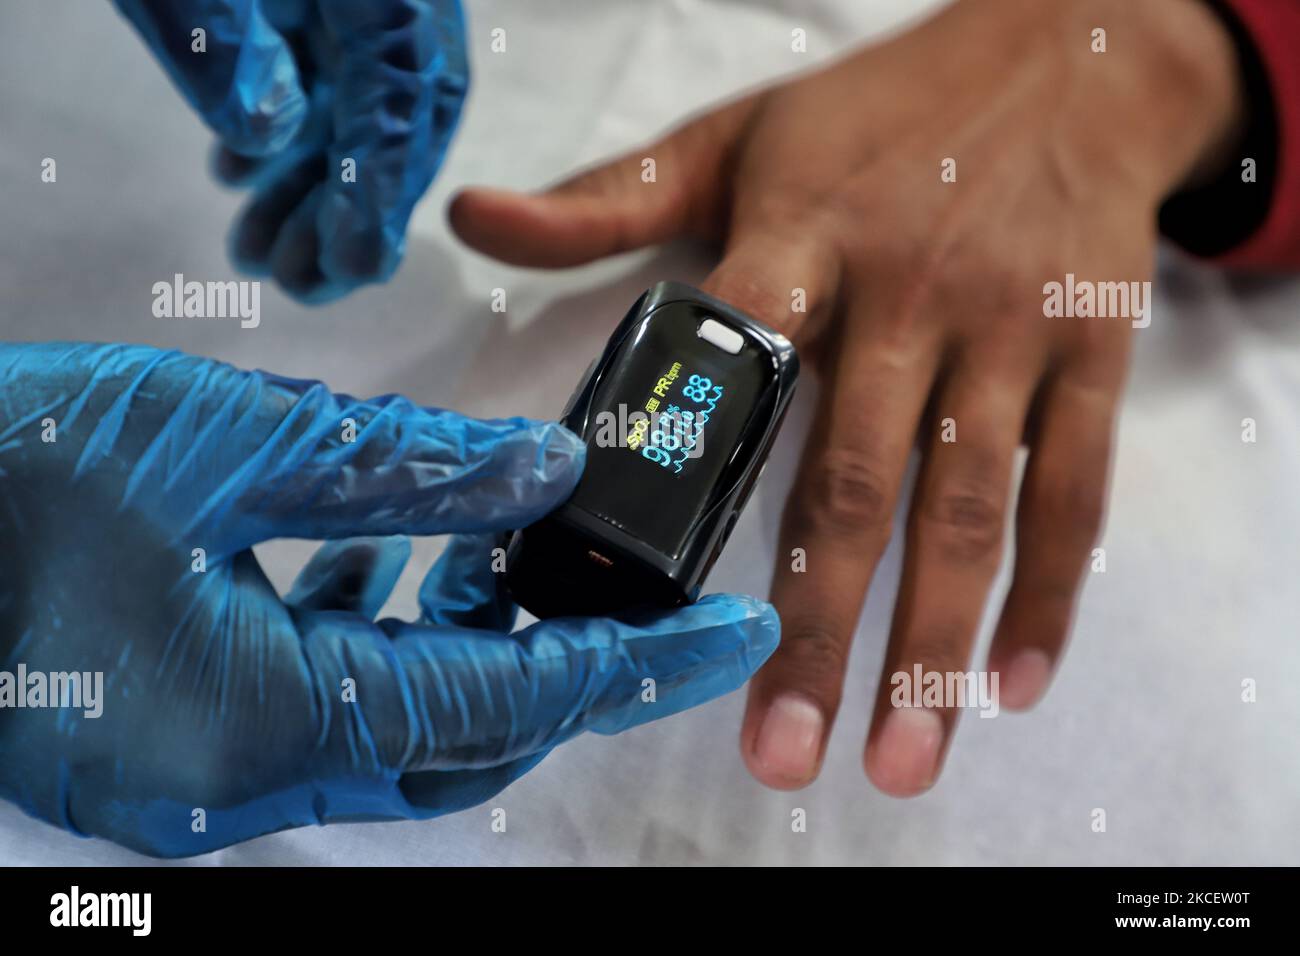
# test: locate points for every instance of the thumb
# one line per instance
(674, 187)
(455, 698)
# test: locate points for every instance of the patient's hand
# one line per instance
(918, 196)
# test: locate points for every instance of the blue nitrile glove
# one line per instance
(227, 712)
(294, 89)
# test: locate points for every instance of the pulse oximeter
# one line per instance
(678, 415)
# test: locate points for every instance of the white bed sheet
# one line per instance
(1145, 719)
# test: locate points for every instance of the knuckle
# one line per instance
(966, 523)
(1076, 506)
(942, 649)
(814, 655)
(746, 289)
(847, 495)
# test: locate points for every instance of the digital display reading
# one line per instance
(665, 423)
(674, 433)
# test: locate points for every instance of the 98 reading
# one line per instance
(676, 429)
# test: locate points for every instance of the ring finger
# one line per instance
(954, 547)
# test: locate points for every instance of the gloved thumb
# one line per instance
(675, 187)
(232, 66)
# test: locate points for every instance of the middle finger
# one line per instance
(954, 547)
(836, 524)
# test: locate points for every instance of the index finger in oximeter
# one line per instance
(678, 414)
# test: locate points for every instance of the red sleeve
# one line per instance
(1273, 27)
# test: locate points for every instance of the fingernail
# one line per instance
(1024, 681)
(789, 738)
(905, 756)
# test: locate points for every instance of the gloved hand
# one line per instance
(119, 462)
(294, 88)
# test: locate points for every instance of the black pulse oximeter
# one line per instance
(678, 415)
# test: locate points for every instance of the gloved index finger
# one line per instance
(321, 465)
(230, 63)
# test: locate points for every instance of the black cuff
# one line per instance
(1214, 218)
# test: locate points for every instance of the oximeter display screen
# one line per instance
(665, 423)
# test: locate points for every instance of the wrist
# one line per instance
(1176, 66)
(1203, 62)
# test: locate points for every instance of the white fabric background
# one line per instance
(1145, 719)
